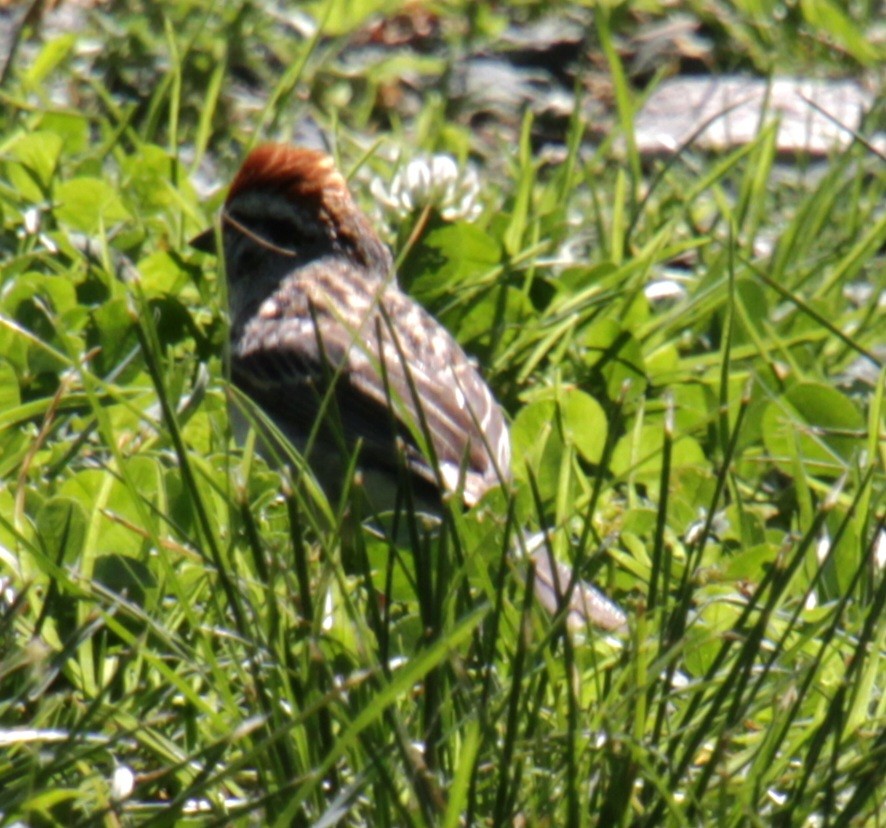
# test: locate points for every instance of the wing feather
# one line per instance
(390, 368)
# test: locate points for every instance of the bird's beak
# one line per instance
(205, 242)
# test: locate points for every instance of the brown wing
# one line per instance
(398, 377)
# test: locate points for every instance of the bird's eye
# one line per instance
(277, 232)
(265, 231)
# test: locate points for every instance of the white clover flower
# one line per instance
(436, 182)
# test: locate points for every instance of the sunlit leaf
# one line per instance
(89, 204)
(816, 423)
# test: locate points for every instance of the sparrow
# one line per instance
(346, 364)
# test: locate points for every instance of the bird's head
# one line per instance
(287, 207)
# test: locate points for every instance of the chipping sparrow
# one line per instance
(341, 360)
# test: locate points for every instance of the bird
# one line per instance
(345, 363)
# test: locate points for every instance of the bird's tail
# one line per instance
(557, 589)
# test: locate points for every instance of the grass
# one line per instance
(715, 461)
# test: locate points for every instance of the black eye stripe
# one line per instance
(260, 235)
(277, 231)
(287, 233)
